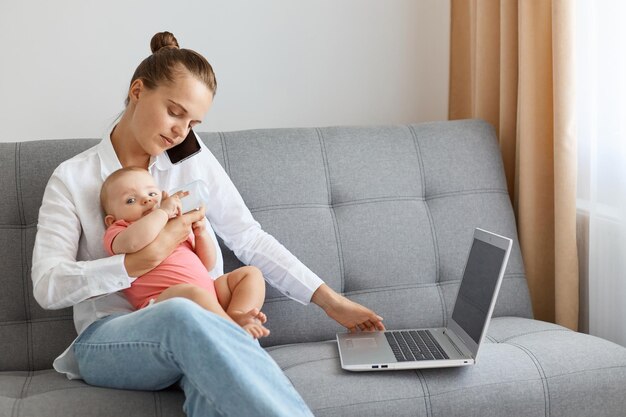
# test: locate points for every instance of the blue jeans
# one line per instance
(222, 370)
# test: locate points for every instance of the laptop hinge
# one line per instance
(457, 343)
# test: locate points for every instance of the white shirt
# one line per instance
(71, 267)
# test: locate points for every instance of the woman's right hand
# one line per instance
(173, 234)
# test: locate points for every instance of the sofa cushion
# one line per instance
(525, 368)
(47, 393)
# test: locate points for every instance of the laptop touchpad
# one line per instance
(361, 342)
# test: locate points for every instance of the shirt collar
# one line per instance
(109, 161)
(161, 162)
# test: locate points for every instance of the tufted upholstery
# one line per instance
(384, 215)
(30, 337)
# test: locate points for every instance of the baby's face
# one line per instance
(133, 195)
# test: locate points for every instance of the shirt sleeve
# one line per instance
(232, 220)
(59, 280)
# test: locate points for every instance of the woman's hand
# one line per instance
(174, 233)
(178, 228)
(349, 314)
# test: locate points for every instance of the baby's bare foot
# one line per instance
(251, 321)
(244, 317)
(256, 330)
(261, 317)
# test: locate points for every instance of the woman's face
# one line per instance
(162, 117)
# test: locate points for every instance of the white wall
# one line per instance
(66, 65)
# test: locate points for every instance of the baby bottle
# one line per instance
(198, 195)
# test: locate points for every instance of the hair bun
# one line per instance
(163, 40)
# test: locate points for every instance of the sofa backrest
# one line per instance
(384, 215)
(30, 337)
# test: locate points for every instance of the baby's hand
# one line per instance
(171, 205)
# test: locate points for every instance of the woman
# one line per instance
(173, 341)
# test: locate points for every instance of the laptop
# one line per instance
(452, 346)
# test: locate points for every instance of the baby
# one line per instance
(135, 213)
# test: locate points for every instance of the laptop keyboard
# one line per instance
(414, 345)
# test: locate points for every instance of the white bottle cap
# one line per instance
(198, 195)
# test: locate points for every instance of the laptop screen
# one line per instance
(477, 287)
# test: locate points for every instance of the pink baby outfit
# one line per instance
(183, 266)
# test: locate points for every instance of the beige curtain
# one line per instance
(511, 63)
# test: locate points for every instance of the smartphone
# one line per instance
(186, 149)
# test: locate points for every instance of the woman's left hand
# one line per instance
(349, 314)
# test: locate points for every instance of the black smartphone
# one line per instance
(186, 149)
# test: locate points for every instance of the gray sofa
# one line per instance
(383, 214)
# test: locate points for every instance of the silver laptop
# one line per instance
(455, 345)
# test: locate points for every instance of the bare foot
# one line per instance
(261, 317)
(252, 322)
(256, 330)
